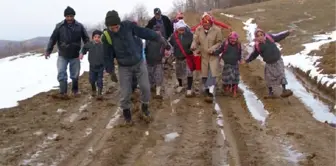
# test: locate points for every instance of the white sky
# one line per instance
(25, 19)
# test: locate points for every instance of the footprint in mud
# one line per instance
(296, 135)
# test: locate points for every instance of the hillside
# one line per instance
(10, 48)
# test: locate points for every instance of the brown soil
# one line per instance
(328, 60)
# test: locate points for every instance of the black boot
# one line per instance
(127, 116)
(94, 90)
(145, 113)
(63, 91)
(75, 87)
(100, 94)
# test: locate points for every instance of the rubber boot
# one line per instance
(286, 92)
(100, 94)
(74, 88)
(234, 91)
(158, 93)
(127, 117)
(208, 96)
(145, 113)
(226, 90)
(63, 91)
(94, 90)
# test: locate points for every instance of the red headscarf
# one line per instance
(207, 19)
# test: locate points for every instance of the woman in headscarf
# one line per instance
(181, 41)
(207, 38)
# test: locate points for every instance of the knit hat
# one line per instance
(179, 24)
(96, 32)
(112, 18)
(157, 11)
(69, 11)
(233, 35)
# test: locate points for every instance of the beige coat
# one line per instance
(208, 43)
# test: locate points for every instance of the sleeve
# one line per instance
(53, 39)
(196, 40)
(150, 24)
(108, 56)
(240, 52)
(252, 56)
(218, 40)
(85, 48)
(222, 25)
(220, 49)
(145, 33)
(280, 36)
(170, 26)
(85, 36)
(193, 29)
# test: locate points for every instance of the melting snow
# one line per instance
(254, 105)
(171, 136)
(319, 110)
(292, 155)
(305, 62)
(27, 76)
(114, 119)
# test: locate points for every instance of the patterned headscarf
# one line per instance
(207, 19)
(233, 35)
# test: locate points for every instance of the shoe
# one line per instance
(190, 94)
(145, 113)
(100, 94)
(286, 93)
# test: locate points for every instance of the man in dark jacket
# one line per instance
(125, 49)
(68, 35)
(163, 21)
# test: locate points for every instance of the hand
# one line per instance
(46, 55)
(230, 29)
(291, 30)
(193, 48)
(210, 51)
(114, 77)
(81, 56)
(242, 61)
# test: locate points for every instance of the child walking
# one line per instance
(96, 60)
(274, 69)
(230, 51)
(154, 52)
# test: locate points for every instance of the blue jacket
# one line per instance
(126, 48)
(68, 39)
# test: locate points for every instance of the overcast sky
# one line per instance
(25, 19)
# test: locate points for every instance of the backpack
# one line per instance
(107, 36)
(257, 43)
(226, 44)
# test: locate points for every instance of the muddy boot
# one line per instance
(208, 96)
(235, 91)
(286, 93)
(226, 90)
(270, 94)
(158, 93)
(127, 117)
(94, 90)
(100, 94)
(190, 94)
(153, 89)
(63, 92)
(75, 91)
(145, 115)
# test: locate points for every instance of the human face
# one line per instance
(233, 40)
(70, 19)
(157, 16)
(114, 28)
(207, 26)
(181, 31)
(96, 38)
(260, 36)
(180, 18)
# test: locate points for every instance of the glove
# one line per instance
(113, 77)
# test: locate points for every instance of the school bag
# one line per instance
(269, 37)
(107, 36)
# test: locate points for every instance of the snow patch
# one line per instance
(220, 121)
(306, 63)
(292, 155)
(88, 131)
(114, 119)
(171, 136)
(228, 15)
(39, 75)
(254, 105)
(60, 110)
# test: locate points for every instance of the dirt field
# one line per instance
(186, 131)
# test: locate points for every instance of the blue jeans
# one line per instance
(62, 76)
(96, 75)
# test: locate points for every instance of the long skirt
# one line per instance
(275, 74)
(155, 74)
(230, 74)
(182, 69)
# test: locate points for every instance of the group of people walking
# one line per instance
(198, 48)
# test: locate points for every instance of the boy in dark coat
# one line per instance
(96, 60)
(266, 47)
(166, 27)
(125, 49)
(230, 52)
(154, 52)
